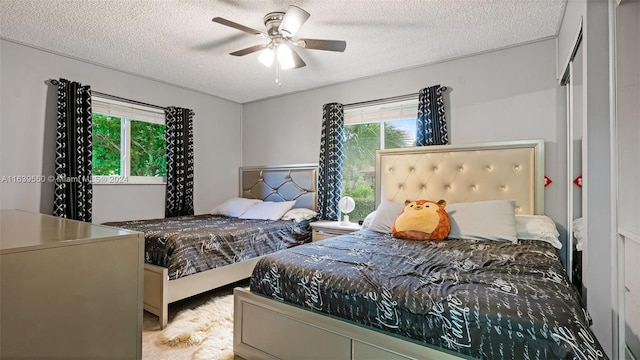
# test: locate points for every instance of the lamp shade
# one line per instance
(266, 57)
(285, 57)
(346, 204)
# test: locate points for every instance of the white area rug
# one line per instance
(209, 326)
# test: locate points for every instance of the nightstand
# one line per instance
(328, 229)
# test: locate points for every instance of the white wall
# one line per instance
(503, 95)
(27, 133)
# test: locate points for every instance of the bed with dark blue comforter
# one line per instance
(191, 244)
(483, 299)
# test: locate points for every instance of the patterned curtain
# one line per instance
(73, 192)
(431, 124)
(179, 135)
(331, 156)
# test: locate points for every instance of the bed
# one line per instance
(188, 255)
(367, 295)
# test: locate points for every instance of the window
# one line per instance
(367, 129)
(129, 143)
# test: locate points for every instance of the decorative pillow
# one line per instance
(386, 214)
(268, 210)
(483, 220)
(422, 220)
(538, 227)
(366, 223)
(299, 214)
(234, 207)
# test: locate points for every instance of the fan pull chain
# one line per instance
(278, 72)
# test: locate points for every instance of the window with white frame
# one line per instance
(129, 143)
(367, 129)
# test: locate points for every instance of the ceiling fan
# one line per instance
(281, 28)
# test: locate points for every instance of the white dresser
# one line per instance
(68, 289)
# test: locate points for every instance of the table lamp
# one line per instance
(346, 205)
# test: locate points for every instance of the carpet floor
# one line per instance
(153, 347)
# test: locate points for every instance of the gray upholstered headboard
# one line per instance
(465, 173)
(281, 183)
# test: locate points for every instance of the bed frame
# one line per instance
(269, 183)
(265, 328)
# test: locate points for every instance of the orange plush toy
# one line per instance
(422, 220)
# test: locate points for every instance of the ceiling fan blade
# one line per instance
(297, 60)
(237, 26)
(317, 44)
(248, 50)
(292, 21)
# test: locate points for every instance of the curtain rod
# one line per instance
(386, 100)
(113, 97)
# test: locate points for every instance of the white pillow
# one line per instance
(234, 207)
(385, 216)
(578, 232)
(538, 227)
(366, 223)
(268, 210)
(483, 220)
(299, 214)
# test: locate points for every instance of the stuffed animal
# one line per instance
(422, 220)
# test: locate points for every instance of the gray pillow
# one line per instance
(483, 220)
(385, 216)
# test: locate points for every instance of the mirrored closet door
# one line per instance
(573, 82)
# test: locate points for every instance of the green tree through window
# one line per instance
(148, 149)
(360, 145)
(106, 145)
(145, 154)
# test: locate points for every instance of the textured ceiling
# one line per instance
(175, 41)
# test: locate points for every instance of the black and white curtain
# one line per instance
(179, 135)
(331, 158)
(73, 194)
(431, 125)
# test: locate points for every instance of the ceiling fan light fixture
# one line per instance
(280, 29)
(266, 56)
(285, 57)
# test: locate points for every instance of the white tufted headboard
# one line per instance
(464, 173)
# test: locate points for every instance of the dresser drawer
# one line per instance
(321, 235)
(257, 333)
(328, 229)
